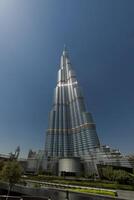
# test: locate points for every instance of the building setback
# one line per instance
(71, 133)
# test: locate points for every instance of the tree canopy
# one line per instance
(11, 172)
(120, 176)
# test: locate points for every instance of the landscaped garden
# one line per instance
(110, 179)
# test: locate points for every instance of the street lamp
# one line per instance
(67, 195)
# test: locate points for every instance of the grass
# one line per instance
(99, 184)
(95, 191)
(90, 183)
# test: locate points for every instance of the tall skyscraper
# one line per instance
(72, 131)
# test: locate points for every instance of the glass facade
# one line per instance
(71, 130)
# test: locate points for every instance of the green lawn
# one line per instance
(94, 191)
(90, 183)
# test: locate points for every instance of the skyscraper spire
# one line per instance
(64, 57)
(64, 49)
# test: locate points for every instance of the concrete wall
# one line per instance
(32, 165)
(71, 165)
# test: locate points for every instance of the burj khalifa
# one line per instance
(71, 131)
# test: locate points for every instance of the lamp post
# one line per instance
(67, 195)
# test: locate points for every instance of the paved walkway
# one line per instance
(125, 194)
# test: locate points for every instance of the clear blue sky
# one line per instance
(100, 39)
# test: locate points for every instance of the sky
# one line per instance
(99, 36)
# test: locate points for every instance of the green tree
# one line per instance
(123, 177)
(118, 175)
(107, 173)
(1, 164)
(11, 173)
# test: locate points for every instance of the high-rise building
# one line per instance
(72, 131)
